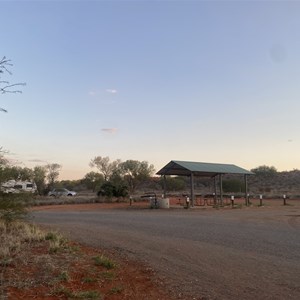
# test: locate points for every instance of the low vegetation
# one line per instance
(36, 263)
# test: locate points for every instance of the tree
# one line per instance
(39, 177)
(92, 180)
(233, 185)
(135, 172)
(177, 183)
(25, 174)
(3, 163)
(6, 86)
(105, 166)
(52, 173)
(264, 170)
(109, 190)
(18, 173)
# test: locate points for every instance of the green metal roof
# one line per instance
(176, 167)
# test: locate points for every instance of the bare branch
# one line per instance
(3, 63)
(5, 89)
(5, 86)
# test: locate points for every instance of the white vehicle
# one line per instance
(15, 186)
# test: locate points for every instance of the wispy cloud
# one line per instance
(14, 161)
(37, 160)
(110, 130)
(97, 93)
(111, 91)
(92, 93)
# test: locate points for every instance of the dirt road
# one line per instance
(249, 253)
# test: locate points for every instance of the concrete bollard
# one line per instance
(232, 201)
(187, 202)
(284, 199)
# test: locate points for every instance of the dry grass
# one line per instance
(35, 264)
(14, 235)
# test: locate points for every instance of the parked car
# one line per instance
(61, 192)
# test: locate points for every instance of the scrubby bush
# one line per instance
(264, 171)
(177, 183)
(14, 206)
(233, 185)
(110, 190)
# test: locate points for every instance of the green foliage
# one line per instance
(174, 183)
(264, 171)
(52, 173)
(233, 185)
(64, 276)
(56, 242)
(104, 262)
(51, 236)
(105, 166)
(14, 236)
(116, 290)
(68, 184)
(135, 172)
(3, 163)
(14, 206)
(92, 180)
(39, 177)
(17, 173)
(88, 295)
(130, 173)
(89, 280)
(108, 189)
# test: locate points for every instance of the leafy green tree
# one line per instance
(52, 174)
(12, 172)
(264, 170)
(108, 189)
(3, 164)
(135, 172)
(25, 174)
(92, 180)
(233, 185)
(105, 166)
(174, 183)
(39, 177)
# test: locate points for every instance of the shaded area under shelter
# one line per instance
(201, 169)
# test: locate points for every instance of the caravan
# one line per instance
(14, 186)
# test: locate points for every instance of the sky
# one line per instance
(207, 81)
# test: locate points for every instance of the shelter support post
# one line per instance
(221, 188)
(192, 190)
(215, 190)
(165, 186)
(246, 189)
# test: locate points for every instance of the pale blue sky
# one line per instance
(210, 81)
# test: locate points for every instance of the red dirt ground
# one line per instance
(72, 273)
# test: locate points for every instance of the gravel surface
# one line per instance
(249, 253)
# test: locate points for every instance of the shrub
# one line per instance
(14, 206)
(104, 262)
(233, 185)
(110, 190)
